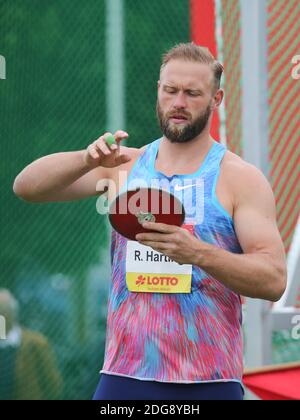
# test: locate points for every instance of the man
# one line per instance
(178, 345)
(28, 370)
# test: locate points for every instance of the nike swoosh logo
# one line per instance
(179, 188)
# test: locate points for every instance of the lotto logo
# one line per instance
(140, 281)
(157, 281)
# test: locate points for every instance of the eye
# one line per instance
(169, 90)
(192, 93)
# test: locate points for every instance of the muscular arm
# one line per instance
(70, 176)
(261, 271)
(58, 177)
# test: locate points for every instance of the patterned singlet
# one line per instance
(185, 337)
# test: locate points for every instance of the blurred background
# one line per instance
(73, 71)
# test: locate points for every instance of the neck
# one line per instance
(185, 153)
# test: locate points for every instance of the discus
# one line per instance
(132, 208)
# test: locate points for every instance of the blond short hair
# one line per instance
(195, 53)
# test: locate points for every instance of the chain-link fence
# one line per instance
(283, 28)
(55, 257)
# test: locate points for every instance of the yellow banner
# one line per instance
(159, 283)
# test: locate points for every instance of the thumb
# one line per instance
(123, 159)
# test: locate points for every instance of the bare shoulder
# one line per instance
(143, 149)
(246, 181)
(233, 166)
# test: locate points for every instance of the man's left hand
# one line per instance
(173, 241)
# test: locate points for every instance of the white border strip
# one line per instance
(219, 42)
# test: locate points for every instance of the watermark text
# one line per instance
(296, 329)
(296, 67)
(188, 192)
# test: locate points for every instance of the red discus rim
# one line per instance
(129, 224)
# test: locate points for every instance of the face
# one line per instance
(186, 100)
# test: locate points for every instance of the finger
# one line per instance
(113, 142)
(157, 237)
(114, 147)
(158, 246)
(93, 152)
(110, 141)
(104, 138)
(120, 160)
(120, 135)
(102, 146)
(160, 227)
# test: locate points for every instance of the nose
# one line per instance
(179, 101)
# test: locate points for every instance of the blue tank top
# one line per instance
(182, 338)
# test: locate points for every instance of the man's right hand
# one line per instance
(100, 153)
(68, 176)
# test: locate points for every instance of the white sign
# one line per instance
(141, 258)
(2, 67)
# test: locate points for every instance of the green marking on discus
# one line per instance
(110, 140)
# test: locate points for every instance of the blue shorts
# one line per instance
(113, 387)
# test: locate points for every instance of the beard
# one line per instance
(182, 134)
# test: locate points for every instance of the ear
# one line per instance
(218, 98)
